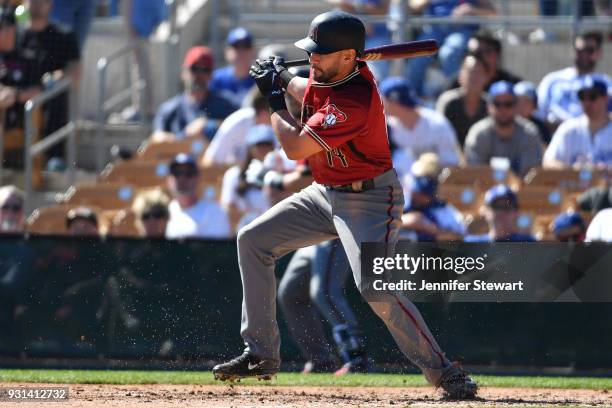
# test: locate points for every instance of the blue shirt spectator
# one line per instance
(428, 219)
(146, 15)
(501, 212)
(557, 98)
(233, 82)
(198, 111)
(76, 15)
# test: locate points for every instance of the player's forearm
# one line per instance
(287, 131)
(297, 87)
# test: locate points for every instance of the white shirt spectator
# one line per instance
(205, 219)
(228, 146)
(600, 228)
(253, 203)
(557, 97)
(573, 143)
(432, 133)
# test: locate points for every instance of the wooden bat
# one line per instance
(408, 49)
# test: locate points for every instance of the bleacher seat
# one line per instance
(52, 220)
(138, 173)
(106, 196)
(541, 200)
(167, 150)
(483, 177)
(566, 179)
(122, 224)
(466, 198)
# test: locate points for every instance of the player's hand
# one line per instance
(269, 83)
(282, 71)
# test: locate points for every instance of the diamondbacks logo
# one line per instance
(333, 115)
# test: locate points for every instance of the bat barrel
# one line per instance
(392, 51)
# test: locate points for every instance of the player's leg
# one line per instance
(330, 270)
(374, 216)
(300, 220)
(302, 317)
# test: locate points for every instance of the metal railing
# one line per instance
(68, 131)
(105, 105)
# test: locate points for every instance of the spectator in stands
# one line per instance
(234, 81)
(11, 210)
(198, 111)
(527, 105)
(504, 134)
(427, 218)
(151, 211)
(466, 105)
(501, 212)
(416, 128)
(20, 80)
(557, 98)
(585, 140)
(191, 216)
(599, 228)
(75, 15)
(377, 34)
(453, 38)
(141, 19)
(240, 196)
(82, 222)
(52, 52)
(568, 227)
(228, 145)
(484, 43)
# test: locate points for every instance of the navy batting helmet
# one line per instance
(334, 31)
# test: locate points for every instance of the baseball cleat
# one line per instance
(457, 384)
(245, 366)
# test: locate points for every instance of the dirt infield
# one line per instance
(134, 396)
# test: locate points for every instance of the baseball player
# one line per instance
(356, 197)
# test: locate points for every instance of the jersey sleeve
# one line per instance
(337, 122)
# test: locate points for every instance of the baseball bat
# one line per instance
(408, 49)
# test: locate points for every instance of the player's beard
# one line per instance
(324, 76)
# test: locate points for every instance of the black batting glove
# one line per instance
(269, 83)
(282, 71)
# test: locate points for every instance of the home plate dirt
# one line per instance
(162, 395)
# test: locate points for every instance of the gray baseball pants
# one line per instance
(318, 214)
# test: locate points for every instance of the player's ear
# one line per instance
(349, 56)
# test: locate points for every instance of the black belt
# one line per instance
(354, 187)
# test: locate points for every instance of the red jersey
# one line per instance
(347, 119)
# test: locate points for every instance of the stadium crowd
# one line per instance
(486, 117)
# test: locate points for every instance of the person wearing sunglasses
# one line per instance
(501, 211)
(504, 133)
(587, 139)
(557, 100)
(197, 111)
(11, 210)
(233, 81)
(192, 215)
(151, 211)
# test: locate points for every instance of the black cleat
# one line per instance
(244, 366)
(457, 384)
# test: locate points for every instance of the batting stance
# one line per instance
(356, 197)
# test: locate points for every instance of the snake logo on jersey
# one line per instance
(338, 117)
(333, 115)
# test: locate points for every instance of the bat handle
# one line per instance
(296, 63)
